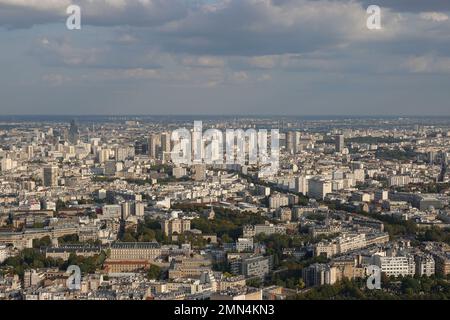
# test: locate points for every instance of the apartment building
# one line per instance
(396, 265)
(319, 274)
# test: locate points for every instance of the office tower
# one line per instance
(340, 142)
(140, 148)
(121, 154)
(277, 200)
(73, 134)
(103, 155)
(290, 142)
(154, 141)
(126, 210)
(50, 176)
(301, 185)
(166, 146)
(30, 152)
(431, 157)
(443, 172)
(138, 209)
(297, 138)
(6, 164)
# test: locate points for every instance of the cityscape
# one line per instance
(224, 158)
(103, 196)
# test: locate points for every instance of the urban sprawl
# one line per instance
(104, 195)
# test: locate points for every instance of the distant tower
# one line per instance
(154, 141)
(211, 214)
(290, 142)
(166, 146)
(50, 176)
(73, 132)
(443, 171)
(30, 152)
(339, 142)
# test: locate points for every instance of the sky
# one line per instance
(252, 57)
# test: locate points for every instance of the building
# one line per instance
(73, 132)
(319, 274)
(126, 209)
(50, 176)
(189, 267)
(139, 208)
(32, 278)
(399, 181)
(319, 188)
(381, 195)
(267, 229)
(301, 185)
(103, 155)
(278, 200)
(284, 214)
(64, 252)
(244, 245)
(251, 294)
(396, 265)
(339, 142)
(290, 142)
(199, 172)
(176, 226)
(348, 267)
(179, 172)
(166, 146)
(30, 152)
(110, 167)
(112, 211)
(154, 141)
(425, 265)
(135, 251)
(3, 253)
(340, 245)
(258, 266)
(225, 283)
(7, 164)
(442, 263)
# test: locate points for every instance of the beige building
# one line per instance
(187, 267)
(176, 226)
(135, 251)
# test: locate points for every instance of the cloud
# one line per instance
(203, 62)
(434, 16)
(56, 79)
(410, 5)
(26, 13)
(428, 64)
(262, 27)
(61, 52)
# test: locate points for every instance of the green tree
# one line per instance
(154, 272)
